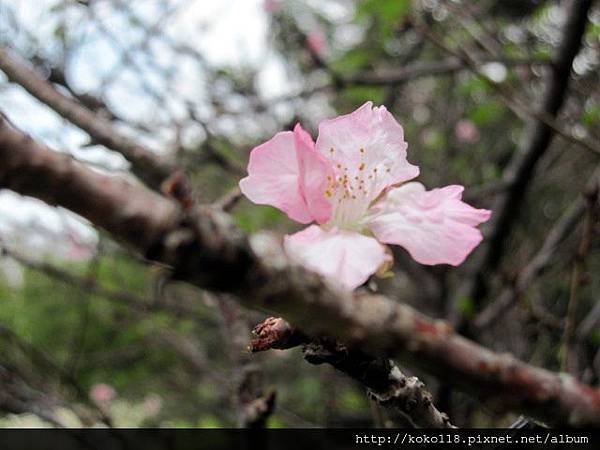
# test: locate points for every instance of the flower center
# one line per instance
(352, 189)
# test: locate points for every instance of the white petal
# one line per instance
(345, 257)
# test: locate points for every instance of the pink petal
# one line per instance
(345, 257)
(313, 170)
(367, 144)
(435, 226)
(288, 173)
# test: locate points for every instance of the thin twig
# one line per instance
(229, 200)
(90, 285)
(534, 268)
(385, 383)
(45, 363)
(569, 361)
(448, 66)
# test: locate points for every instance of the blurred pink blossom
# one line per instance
(78, 250)
(102, 393)
(272, 6)
(466, 131)
(353, 182)
(317, 42)
(153, 404)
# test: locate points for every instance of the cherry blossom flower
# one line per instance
(466, 131)
(354, 183)
(272, 6)
(317, 42)
(102, 393)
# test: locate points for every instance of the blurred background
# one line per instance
(91, 334)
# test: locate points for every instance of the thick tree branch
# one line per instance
(146, 164)
(204, 248)
(66, 185)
